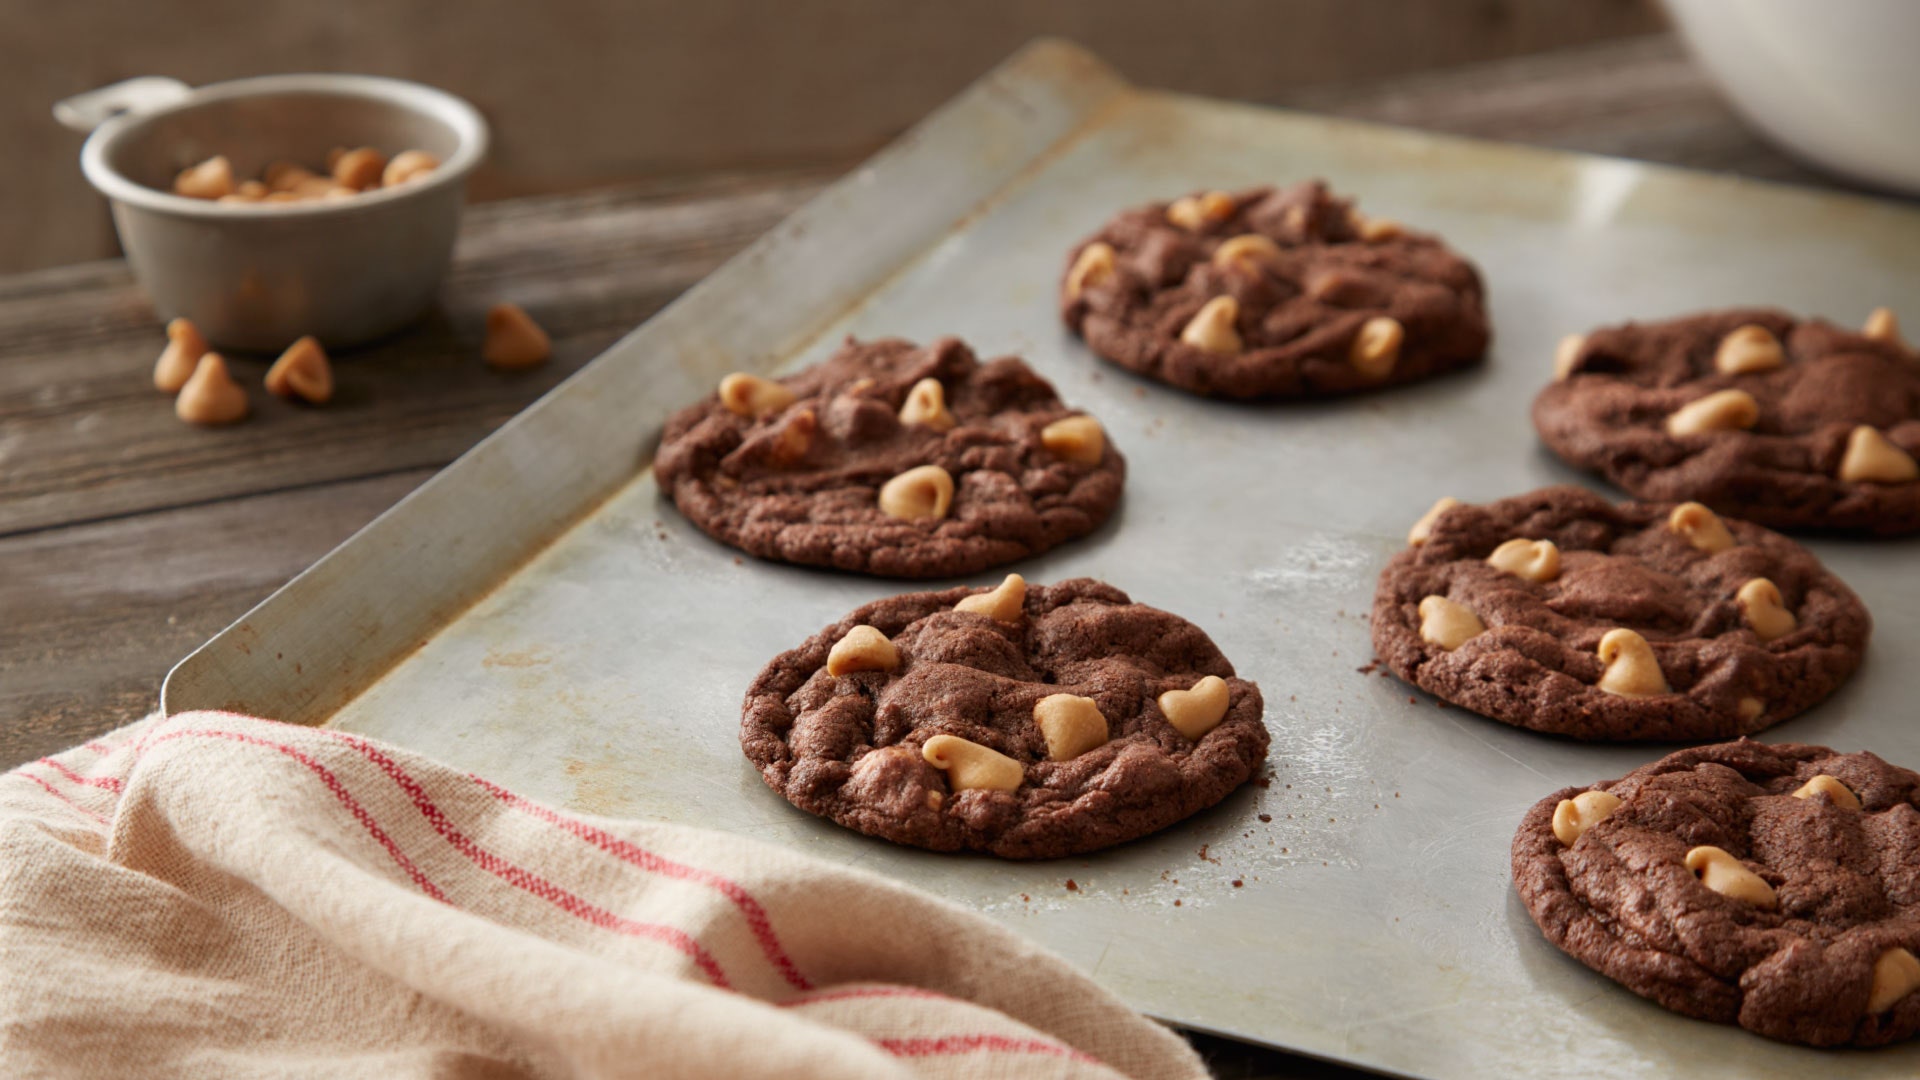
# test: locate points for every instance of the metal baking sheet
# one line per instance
(539, 614)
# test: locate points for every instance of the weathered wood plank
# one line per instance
(84, 436)
(92, 616)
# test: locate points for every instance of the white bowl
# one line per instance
(1834, 81)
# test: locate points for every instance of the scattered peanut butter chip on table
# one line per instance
(1036, 737)
(302, 372)
(1273, 293)
(1753, 413)
(211, 397)
(1765, 885)
(923, 461)
(177, 361)
(514, 340)
(1633, 621)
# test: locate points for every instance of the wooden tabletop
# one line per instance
(128, 538)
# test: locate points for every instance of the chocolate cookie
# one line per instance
(1273, 293)
(894, 460)
(1029, 722)
(1797, 425)
(1774, 887)
(1561, 612)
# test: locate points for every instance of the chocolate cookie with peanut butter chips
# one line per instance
(1774, 887)
(1273, 293)
(1029, 722)
(891, 459)
(1789, 423)
(1562, 612)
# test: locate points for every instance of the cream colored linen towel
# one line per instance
(217, 896)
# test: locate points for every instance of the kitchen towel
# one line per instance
(210, 895)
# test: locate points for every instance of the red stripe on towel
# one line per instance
(340, 792)
(525, 879)
(869, 992)
(61, 795)
(109, 783)
(634, 855)
(970, 1044)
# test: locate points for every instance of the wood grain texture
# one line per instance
(97, 613)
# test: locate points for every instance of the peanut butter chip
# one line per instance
(1535, 560)
(1071, 725)
(359, 169)
(302, 372)
(1764, 610)
(970, 766)
(920, 493)
(794, 439)
(1376, 348)
(1750, 708)
(1212, 328)
(926, 404)
(184, 349)
(1423, 529)
(514, 340)
(1701, 527)
(1196, 212)
(1006, 603)
(211, 396)
(1630, 668)
(283, 176)
(1872, 458)
(1077, 439)
(1246, 254)
(210, 179)
(1567, 354)
(1895, 975)
(1375, 230)
(1448, 624)
(1748, 349)
(1573, 817)
(1837, 793)
(408, 165)
(1882, 325)
(1195, 711)
(864, 648)
(1724, 410)
(1094, 267)
(752, 396)
(1729, 877)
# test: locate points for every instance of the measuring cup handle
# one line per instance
(84, 112)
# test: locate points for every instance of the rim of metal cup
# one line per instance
(469, 128)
